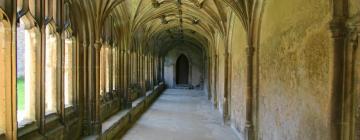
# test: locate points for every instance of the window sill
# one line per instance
(51, 117)
(2, 133)
(24, 123)
(70, 110)
(68, 106)
(26, 127)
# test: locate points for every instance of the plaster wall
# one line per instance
(294, 102)
(196, 63)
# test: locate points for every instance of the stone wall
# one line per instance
(220, 72)
(195, 57)
(294, 101)
(354, 8)
(237, 46)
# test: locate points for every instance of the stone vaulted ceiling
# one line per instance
(167, 22)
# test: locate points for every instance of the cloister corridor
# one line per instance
(181, 114)
(180, 69)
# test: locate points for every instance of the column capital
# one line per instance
(84, 44)
(97, 45)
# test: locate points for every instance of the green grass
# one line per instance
(20, 93)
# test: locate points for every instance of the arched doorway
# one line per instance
(182, 70)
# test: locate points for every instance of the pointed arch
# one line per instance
(27, 69)
(182, 70)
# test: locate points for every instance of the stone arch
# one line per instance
(182, 70)
(70, 53)
(176, 57)
(28, 45)
(52, 65)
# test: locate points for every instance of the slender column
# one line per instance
(226, 88)
(110, 65)
(128, 77)
(142, 81)
(39, 15)
(336, 67)
(84, 83)
(249, 94)
(122, 66)
(137, 67)
(61, 18)
(336, 76)
(10, 58)
(152, 71)
(95, 100)
(209, 67)
(163, 69)
(216, 81)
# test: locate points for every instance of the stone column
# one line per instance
(122, 66)
(336, 76)
(95, 94)
(215, 81)
(138, 67)
(142, 80)
(128, 61)
(85, 89)
(226, 88)
(152, 71)
(249, 128)
(118, 68)
(111, 66)
(336, 67)
(209, 67)
(351, 93)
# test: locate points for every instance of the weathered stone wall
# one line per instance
(196, 61)
(237, 45)
(354, 8)
(220, 73)
(294, 102)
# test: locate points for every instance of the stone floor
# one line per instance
(181, 114)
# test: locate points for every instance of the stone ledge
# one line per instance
(119, 123)
(2, 134)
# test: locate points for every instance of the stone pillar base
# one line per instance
(249, 132)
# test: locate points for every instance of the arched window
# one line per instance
(69, 61)
(107, 67)
(51, 69)
(115, 67)
(102, 70)
(27, 74)
(69, 70)
(182, 70)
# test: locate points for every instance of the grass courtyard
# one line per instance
(20, 93)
